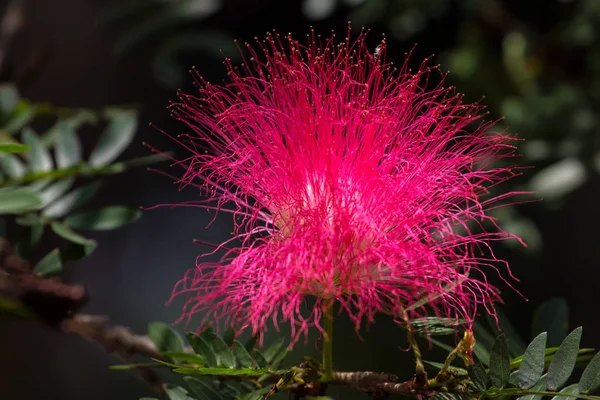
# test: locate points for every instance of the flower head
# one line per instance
(348, 180)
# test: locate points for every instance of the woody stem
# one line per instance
(327, 319)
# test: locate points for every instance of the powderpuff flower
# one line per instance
(349, 181)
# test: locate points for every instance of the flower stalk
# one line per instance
(328, 342)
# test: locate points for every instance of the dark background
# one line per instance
(131, 274)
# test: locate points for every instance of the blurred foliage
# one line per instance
(145, 21)
(45, 179)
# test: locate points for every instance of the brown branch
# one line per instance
(55, 304)
(119, 340)
(378, 383)
(9, 26)
(115, 339)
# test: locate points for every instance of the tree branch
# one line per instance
(55, 304)
(375, 382)
(9, 26)
(115, 339)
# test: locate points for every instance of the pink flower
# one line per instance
(348, 180)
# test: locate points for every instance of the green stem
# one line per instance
(420, 374)
(83, 170)
(419, 367)
(328, 341)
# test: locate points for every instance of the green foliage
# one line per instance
(146, 22)
(104, 219)
(236, 372)
(115, 139)
(532, 366)
(18, 200)
(435, 326)
(164, 337)
(201, 389)
(177, 393)
(449, 396)
(529, 382)
(564, 360)
(14, 148)
(590, 379)
(499, 362)
(37, 176)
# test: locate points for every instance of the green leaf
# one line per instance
(31, 235)
(552, 317)
(481, 353)
(38, 183)
(532, 366)
(39, 159)
(68, 147)
(442, 345)
(11, 166)
(228, 391)
(18, 201)
(449, 396)
(54, 191)
(49, 265)
(77, 251)
(14, 148)
(186, 357)
(224, 357)
(479, 378)
(279, 358)
(103, 219)
(590, 379)
(66, 233)
(499, 362)
(458, 371)
(164, 337)
(20, 116)
(222, 371)
(177, 393)
(71, 201)
(539, 386)
(9, 96)
(259, 359)
(571, 389)
(435, 325)
(129, 367)
(272, 351)
(564, 360)
(257, 394)
(242, 355)
(516, 346)
(115, 139)
(202, 348)
(513, 379)
(200, 389)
